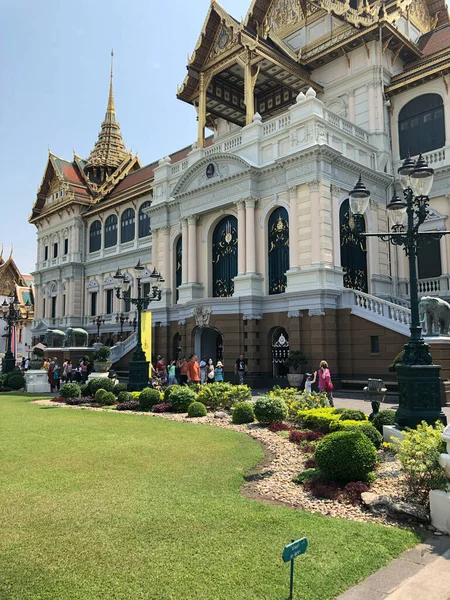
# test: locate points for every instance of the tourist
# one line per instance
(172, 377)
(27, 364)
(84, 372)
(210, 372)
(68, 371)
(22, 365)
(240, 368)
(325, 383)
(183, 371)
(309, 380)
(46, 365)
(193, 370)
(218, 372)
(161, 367)
(54, 375)
(202, 371)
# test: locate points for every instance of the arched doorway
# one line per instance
(208, 343)
(353, 252)
(224, 256)
(280, 351)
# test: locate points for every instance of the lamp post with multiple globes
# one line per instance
(418, 379)
(138, 377)
(12, 315)
(99, 321)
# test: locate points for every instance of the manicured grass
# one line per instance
(125, 507)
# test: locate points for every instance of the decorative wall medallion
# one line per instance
(210, 170)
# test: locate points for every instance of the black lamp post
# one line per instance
(138, 378)
(12, 316)
(122, 319)
(99, 322)
(418, 379)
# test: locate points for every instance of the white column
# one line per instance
(371, 106)
(185, 252)
(293, 229)
(250, 234)
(444, 256)
(166, 256)
(314, 196)
(336, 194)
(351, 106)
(192, 265)
(241, 237)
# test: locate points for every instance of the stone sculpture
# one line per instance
(202, 314)
(54, 338)
(435, 313)
(72, 333)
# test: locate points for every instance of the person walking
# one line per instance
(202, 371)
(193, 369)
(172, 376)
(183, 371)
(325, 383)
(240, 368)
(218, 372)
(84, 372)
(27, 364)
(210, 372)
(69, 371)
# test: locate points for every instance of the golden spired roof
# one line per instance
(109, 150)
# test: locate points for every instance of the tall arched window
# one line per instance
(224, 254)
(95, 236)
(144, 221)
(178, 264)
(421, 125)
(111, 231)
(429, 258)
(278, 250)
(127, 226)
(353, 252)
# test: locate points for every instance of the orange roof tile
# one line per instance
(435, 40)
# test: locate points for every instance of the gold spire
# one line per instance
(109, 150)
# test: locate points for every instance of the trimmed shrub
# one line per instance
(148, 398)
(169, 389)
(162, 407)
(243, 413)
(317, 419)
(99, 394)
(215, 395)
(129, 405)
(353, 491)
(135, 395)
(107, 400)
(269, 409)
(196, 409)
(384, 417)
(3, 380)
(364, 426)
(100, 383)
(338, 411)
(237, 393)
(307, 475)
(350, 414)
(181, 398)
(15, 381)
(70, 390)
(346, 456)
(119, 387)
(122, 397)
(84, 389)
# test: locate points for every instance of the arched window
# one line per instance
(178, 264)
(353, 252)
(224, 254)
(429, 258)
(278, 250)
(95, 236)
(127, 226)
(111, 231)
(144, 221)
(421, 125)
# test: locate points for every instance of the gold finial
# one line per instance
(11, 253)
(1, 255)
(111, 92)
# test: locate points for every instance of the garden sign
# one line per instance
(290, 551)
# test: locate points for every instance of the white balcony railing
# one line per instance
(435, 158)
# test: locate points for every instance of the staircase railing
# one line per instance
(377, 310)
(121, 348)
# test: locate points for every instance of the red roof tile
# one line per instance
(71, 174)
(436, 40)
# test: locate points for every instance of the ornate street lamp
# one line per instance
(99, 321)
(12, 315)
(138, 378)
(122, 319)
(418, 378)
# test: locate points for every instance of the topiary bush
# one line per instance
(169, 389)
(196, 409)
(100, 383)
(70, 390)
(268, 409)
(119, 387)
(129, 405)
(364, 426)
(350, 414)
(148, 398)
(84, 389)
(123, 396)
(15, 381)
(181, 398)
(317, 419)
(242, 413)
(107, 400)
(384, 417)
(346, 456)
(99, 394)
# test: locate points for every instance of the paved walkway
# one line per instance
(422, 572)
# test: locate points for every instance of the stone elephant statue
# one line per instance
(435, 313)
(54, 338)
(76, 332)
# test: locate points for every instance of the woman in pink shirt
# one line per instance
(325, 384)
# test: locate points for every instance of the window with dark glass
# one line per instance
(109, 301)
(43, 308)
(144, 221)
(46, 253)
(95, 236)
(127, 226)
(126, 305)
(225, 252)
(111, 231)
(429, 258)
(374, 344)
(66, 246)
(64, 305)
(278, 235)
(55, 249)
(53, 307)
(178, 264)
(93, 304)
(421, 125)
(146, 289)
(353, 252)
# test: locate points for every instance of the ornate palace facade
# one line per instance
(250, 226)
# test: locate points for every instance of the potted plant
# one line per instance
(295, 360)
(100, 358)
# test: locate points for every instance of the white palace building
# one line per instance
(250, 225)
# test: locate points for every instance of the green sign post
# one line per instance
(290, 551)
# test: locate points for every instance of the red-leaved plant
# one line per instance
(276, 427)
(353, 491)
(162, 407)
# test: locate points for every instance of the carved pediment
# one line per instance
(226, 37)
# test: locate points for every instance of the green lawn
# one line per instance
(111, 506)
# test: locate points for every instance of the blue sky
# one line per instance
(54, 70)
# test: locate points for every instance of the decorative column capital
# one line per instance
(336, 191)
(240, 204)
(192, 220)
(184, 222)
(251, 202)
(292, 191)
(165, 229)
(295, 314)
(316, 312)
(314, 185)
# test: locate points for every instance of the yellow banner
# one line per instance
(146, 333)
